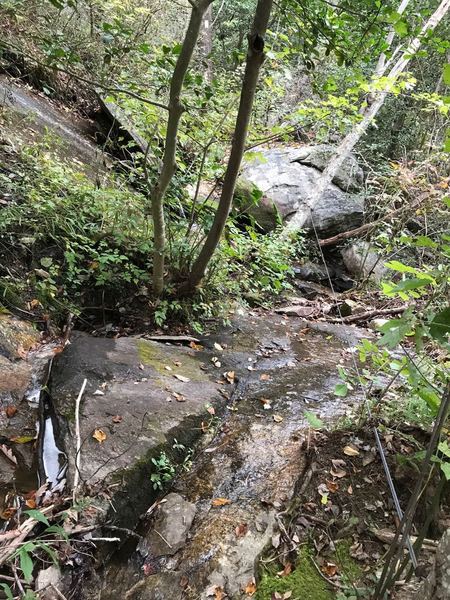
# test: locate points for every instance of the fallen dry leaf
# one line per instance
(117, 419)
(11, 411)
(181, 378)
(241, 529)
(23, 439)
(99, 435)
(178, 397)
(250, 588)
(8, 453)
(98, 393)
(330, 569)
(218, 347)
(332, 486)
(211, 410)
(351, 451)
(277, 418)
(220, 501)
(264, 377)
(167, 368)
(286, 571)
(195, 346)
(350, 490)
(229, 376)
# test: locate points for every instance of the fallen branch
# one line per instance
(376, 312)
(387, 536)
(76, 478)
(171, 338)
(359, 231)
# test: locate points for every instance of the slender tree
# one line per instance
(255, 58)
(175, 110)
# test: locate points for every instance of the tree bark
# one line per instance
(175, 109)
(255, 58)
(349, 142)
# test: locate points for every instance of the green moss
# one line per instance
(349, 569)
(153, 354)
(304, 582)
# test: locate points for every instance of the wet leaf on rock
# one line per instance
(11, 411)
(182, 378)
(250, 588)
(229, 376)
(99, 435)
(241, 529)
(220, 501)
(8, 453)
(117, 419)
(23, 439)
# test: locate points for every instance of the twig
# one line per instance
(369, 314)
(58, 592)
(104, 539)
(162, 537)
(76, 478)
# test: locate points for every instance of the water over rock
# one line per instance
(285, 368)
(275, 186)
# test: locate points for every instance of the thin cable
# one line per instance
(367, 403)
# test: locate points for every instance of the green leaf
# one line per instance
(401, 28)
(445, 468)
(26, 564)
(446, 201)
(313, 420)
(7, 591)
(446, 74)
(444, 448)
(46, 261)
(395, 265)
(410, 284)
(394, 331)
(341, 390)
(430, 397)
(439, 327)
(37, 516)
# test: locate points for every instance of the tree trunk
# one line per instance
(168, 162)
(349, 142)
(255, 58)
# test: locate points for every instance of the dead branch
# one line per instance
(365, 316)
(359, 231)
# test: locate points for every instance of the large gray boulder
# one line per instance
(363, 261)
(274, 187)
(350, 176)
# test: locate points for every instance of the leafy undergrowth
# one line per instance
(340, 525)
(69, 244)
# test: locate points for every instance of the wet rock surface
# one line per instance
(24, 360)
(286, 187)
(141, 396)
(285, 368)
(33, 116)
